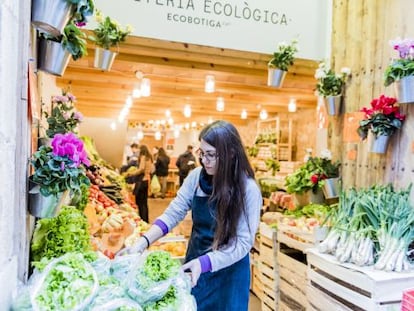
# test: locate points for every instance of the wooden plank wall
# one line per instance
(360, 40)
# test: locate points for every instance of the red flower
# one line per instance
(314, 178)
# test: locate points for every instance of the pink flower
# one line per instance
(70, 146)
(78, 116)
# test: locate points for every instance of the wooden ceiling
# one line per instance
(177, 72)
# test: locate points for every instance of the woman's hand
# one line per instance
(195, 267)
(138, 247)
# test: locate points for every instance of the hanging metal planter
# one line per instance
(275, 77)
(333, 104)
(46, 207)
(51, 16)
(104, 58)
(404, 89)
(52, 57)
(378, 144)
(331, 188)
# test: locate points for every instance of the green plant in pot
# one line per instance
(60, 167)
(404, 65)
(323, 168)
(63, 118)
(72, 40)
(383, 118)
(273, 165)
(284, 56)
(330, 83)
(108, 33)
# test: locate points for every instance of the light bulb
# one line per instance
(220, 104)
(263, 114)
(145, 87)
(157, 135)
(187, 111)
(209, 85)
(292, 105)
(243, 114)
(140, 135)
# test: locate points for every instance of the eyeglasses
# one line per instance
(209, 156)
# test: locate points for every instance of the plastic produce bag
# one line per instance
(177, 298)
(124, 304)
(155, 184)
(153, 276)
(121, 266)
(67, 283)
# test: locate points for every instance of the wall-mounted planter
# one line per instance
(46, 207)
(104, 58)
(378, 144)
(275, 77)
(51, 16)
(333, 104)
(404, 89)
(53, 58)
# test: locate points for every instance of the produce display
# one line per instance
(372, 226)
(149, 281)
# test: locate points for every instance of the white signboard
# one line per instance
(249, 25)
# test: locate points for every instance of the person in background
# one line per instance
(225, 201)
(145, 167)
(155, 153)
(185, 163)
(161, 170)
(132, 161)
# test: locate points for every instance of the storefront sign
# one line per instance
(256, 26)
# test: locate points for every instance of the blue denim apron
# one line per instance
(226, 289)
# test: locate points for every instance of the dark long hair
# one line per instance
(232, 168)
(144, 151)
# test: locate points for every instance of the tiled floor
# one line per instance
(156, 207)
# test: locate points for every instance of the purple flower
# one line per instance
(60, 99)
(62, 166)
(65, 115)
(70, 146)
(78, 116)
(71, 97)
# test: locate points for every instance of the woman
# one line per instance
(225, 202)
(161, 170)
(141, 188)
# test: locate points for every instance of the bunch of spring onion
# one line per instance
(372, 225)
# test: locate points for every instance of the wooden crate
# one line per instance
(335, 286)
(298, 239)
(256, 285)
(293, 280)
(268, 267)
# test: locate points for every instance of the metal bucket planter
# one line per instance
(316, 197)
(51, 16)
(104, 58)
(301, 199)
(378, 144)
(46, 207)
(405, 90)
(275, 77)
(333, 105)
(331, 188)
(52, 57)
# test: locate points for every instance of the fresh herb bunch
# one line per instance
(329, 83)
(383, 118)
(59, 167)
(403, 66)
(284, 56)
(63, 118)
(108, 33)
